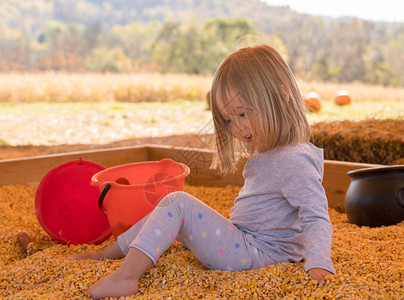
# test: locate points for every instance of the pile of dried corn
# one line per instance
(369, 262)
(367, 141)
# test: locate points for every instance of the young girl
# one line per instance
(280, 214)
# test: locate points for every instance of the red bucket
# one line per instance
(131, 191)
(66, 204)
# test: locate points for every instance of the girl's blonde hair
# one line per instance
(268, 91)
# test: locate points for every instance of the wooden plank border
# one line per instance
(32, 169)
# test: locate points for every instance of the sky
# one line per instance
(385, 10)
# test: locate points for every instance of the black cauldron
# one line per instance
(375, 196)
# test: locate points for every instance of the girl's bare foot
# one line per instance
(115, 285)
(124, 281)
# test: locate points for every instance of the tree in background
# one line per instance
(108, 60)
(14, 50)
(173, 47)
(192, 48)
(63, 47)
(222, 36)
(384, 59)
(135, 41)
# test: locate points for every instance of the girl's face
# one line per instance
(236, 118)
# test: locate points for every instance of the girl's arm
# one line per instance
(302, 188)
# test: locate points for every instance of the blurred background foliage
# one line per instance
(192, 36)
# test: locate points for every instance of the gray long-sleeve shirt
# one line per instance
(283, 208)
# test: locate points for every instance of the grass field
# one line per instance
(52, 109)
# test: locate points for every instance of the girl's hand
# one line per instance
(319, 274)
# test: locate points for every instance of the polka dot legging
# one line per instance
(215, 241)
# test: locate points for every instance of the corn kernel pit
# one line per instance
(369, 262)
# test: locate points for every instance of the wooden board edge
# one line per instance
(30, 170)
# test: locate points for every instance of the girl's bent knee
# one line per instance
(173, 197)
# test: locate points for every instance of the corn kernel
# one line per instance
(368, 261)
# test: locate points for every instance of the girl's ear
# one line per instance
(286, 92)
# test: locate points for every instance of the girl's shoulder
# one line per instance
(288, 152)
(289, 155)
(285, 162)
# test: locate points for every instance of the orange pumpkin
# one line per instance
(342, 98)
(313, 101)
